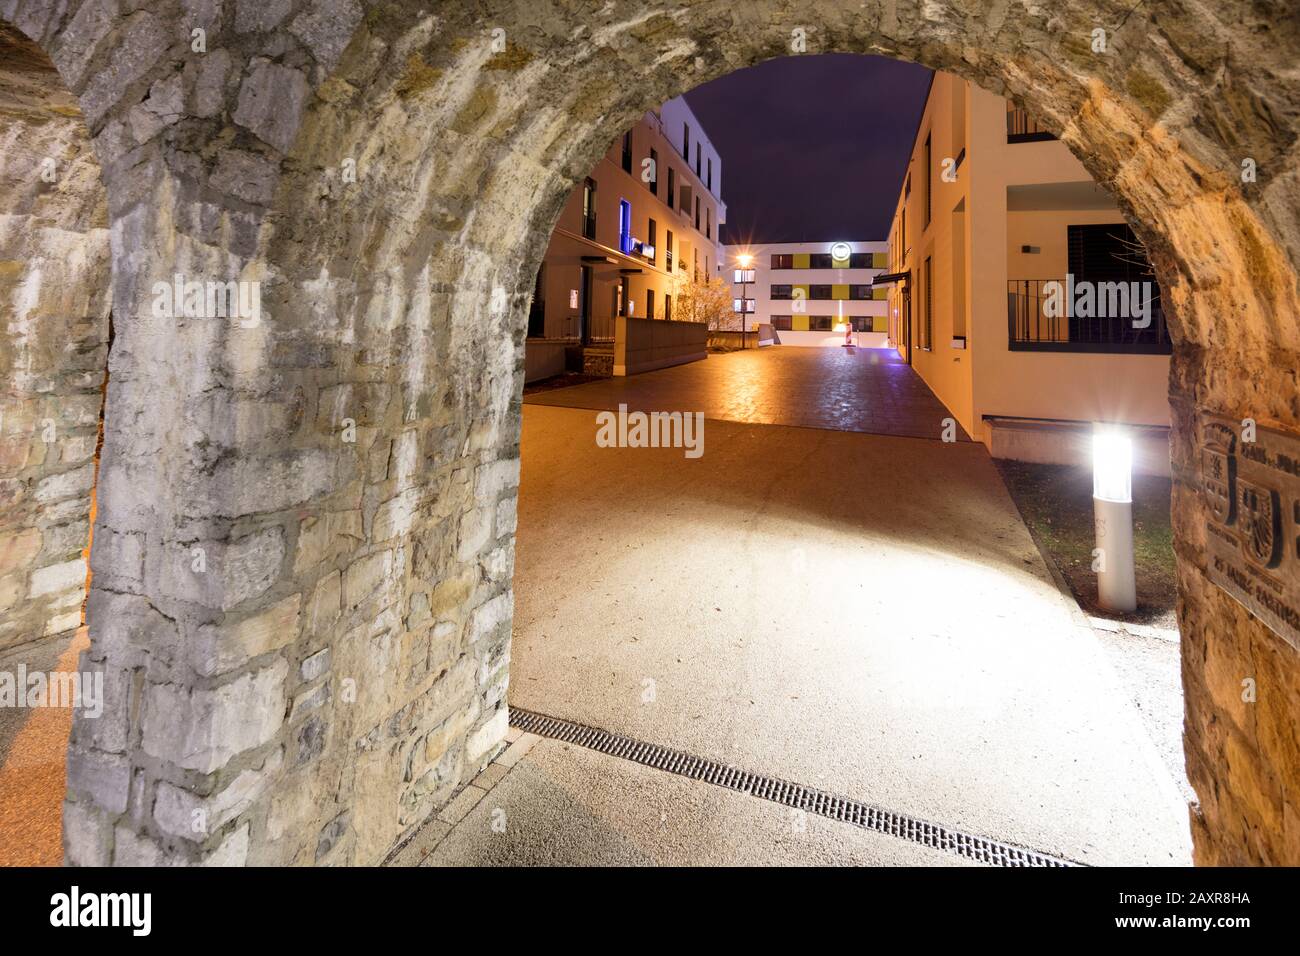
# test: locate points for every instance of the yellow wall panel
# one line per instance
(840, 291)
(881, 293)
(799, 285)
(880, 323)
(799, 323)
(801, 260)
(880, 260)
(840, 263)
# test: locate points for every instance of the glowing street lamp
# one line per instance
(745, 260)
(1112, 504)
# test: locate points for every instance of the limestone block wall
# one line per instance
(54, 303)
(304, 543)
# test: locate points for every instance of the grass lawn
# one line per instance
(1056, 503)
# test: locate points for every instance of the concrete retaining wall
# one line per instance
(642, 345)
(543, 358)
(866, 340)
(1062, 443)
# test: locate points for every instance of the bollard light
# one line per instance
(1112, 504)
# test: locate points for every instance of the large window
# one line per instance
(672, 187)
(860, 292)
(782, 260)
(686, 142)
(861, 260)
(624, 226)
(782, 323)
(697, 213)
(537, 309)
(654, 172)
(627, 151)
(927, 338)
(929, 181)
(589, 209)
(743, 305)
(821, 260)
(708, 182)
(821, 292)
(668, 307)
(649, 248)
(742, 275)
(668, 252)
(819, 323)
(708, 223)
(781, 292)
(649, 303)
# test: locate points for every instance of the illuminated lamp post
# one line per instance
(1112, 503)
(745, 260)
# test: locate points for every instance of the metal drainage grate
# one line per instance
(844, 809)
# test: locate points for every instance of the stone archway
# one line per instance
(302, 567)
(54, 299)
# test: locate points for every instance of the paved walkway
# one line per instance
(856, 390)
(902, 644)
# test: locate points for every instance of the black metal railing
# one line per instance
(1023, 128)
(1031, 328)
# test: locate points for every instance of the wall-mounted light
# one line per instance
(1112, 505)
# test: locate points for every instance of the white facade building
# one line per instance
(811, 293)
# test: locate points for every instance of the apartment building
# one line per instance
(811, 293)
(996, 224)
(646, 215)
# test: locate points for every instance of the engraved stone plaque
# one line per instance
(1252, 491)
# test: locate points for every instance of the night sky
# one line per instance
(812, 147)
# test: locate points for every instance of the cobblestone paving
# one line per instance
(854, 390)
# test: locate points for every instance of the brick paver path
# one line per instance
(856, 390)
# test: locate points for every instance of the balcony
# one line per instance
(1023, 128)
(1031, 329)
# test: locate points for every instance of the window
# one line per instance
(627, 151)
(743, 275)
(781, 323)
(783, 260)
(907, 186)
(821, 260)
(697, 213)
(697, 160)
(820, 292)
(649, 303)
(672, 187)
(708, 182)
(743, 305)
(668, 307)
(668, 255)
(686, 142)
(708, 223)
(624, 226)
(654, 172)
(781, 292)
(589, 209)
(860, 260)
(819, 323)
(537, 309)
(695, 265)
(929, 179)
(649, 248)
(927, 337)
(860, 292)
(861, 323)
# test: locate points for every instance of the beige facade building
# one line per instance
(998, 225)
(646, 216)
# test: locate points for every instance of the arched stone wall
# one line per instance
(343, 472)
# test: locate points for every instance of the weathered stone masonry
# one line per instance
(303, 552)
